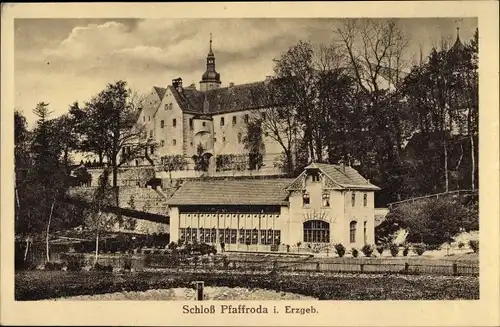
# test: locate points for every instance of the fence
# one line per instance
(264, 265)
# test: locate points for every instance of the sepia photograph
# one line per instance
(243, 159)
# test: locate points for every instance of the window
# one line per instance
(208, 235)
(162, 143)
(365, 237)
(305, 199)
(143, 118)
(170, 106)
(151, 133)
(222, 121)
(162, 124)
(215, 140)
(190, 123)
(246, 119)
(353, 199)
(239, 137)
(234, 120)
(326, 200)
(203, 124)
(270, 237)
(317, 231)
(174, 122)
(365, 199)
(174, 142)
(315, 177)
(191, 143)
(149, 118)
(223, 139)
(166, 106)
(152, 149)
(352, 232)
(189, 235)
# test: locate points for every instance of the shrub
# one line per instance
(406, 250)
(367, 250)
(432, 247)
(461, 245)
(380, 249)
(172, 245)
(419, 248)
(147, 260)
(75, 263)
(474, 245)
(340, 249)
(99, 267)
(394, 248)
(127, 265)
(51, 265)
(354, 252)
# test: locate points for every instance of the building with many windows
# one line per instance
(180, 119)
(325, 204)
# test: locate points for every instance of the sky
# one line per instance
(60, 61)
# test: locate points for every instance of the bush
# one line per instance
(419, 248)
(394, 248)
(75, 263)
(474, 245)
(354, 252)
(99, 267)
(51, 265)
(127, 265)
(340, 249)
(380, 249)
(406, 250)
(367, 250)
(432, 247)
(461, 245)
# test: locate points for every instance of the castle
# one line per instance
(179, 119)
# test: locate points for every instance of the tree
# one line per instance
(201, 159)
(104, 196)
(254, 144)
(108, 127)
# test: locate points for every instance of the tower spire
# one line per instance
(210, 52)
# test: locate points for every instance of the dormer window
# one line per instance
(326, 200)
(314, 175)
(222, 121)
(234, 120)
(305, 199)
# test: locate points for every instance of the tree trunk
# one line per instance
(27, 248)
(47, 234)
(446, 166)
(473, 177)
(96, 247)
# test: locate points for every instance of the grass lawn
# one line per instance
(37, 285)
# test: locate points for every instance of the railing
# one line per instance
(436, 195)
(287, 265)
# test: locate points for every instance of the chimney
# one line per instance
(177, 84)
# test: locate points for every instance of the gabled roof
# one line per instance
(160, 91)
(343, 178)
(232, 192)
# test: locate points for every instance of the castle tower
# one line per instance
(458, 46)
(210, 79)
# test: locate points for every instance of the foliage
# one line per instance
(380, 249)
(201, 159)
(108, 127)
(233, 162)
(174, 162)
(394, 248)
(474, 245)
(367, 250)
(339, 249)
(406, 250)
(461, 245)
(37, 285)
(354, 252)
(419, 248)
(432, 222)
(254, 143)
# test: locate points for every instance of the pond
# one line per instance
(186, 294)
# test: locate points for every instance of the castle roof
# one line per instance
(232, 192)
(221, 100)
